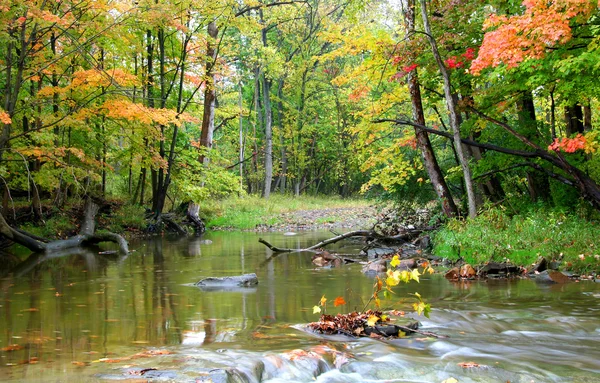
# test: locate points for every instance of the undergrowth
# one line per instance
(499, 235)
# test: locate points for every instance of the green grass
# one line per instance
(522, 238)
(247, 212)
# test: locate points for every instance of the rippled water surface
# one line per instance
(90, 317)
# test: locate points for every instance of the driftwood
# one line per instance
(372, 234)
(86, 236)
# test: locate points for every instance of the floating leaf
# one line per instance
(316, 309)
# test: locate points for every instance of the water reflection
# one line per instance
(61, 316)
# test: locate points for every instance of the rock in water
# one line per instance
(232, 281)
(551, 276)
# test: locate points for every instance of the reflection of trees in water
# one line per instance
(163, 307)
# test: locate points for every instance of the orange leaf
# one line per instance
(339, 301)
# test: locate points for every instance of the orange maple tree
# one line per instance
(517, 38)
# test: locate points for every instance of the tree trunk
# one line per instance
(208, 115)
(537, 183)
(284, 159)
(574, 119)
(452, 112)
(587, 116)
(431, 165)
(266, 86)
(241, 136)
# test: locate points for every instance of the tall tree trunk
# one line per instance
(452, 112)
(241, 135)
(284, 159)
(587, 116)
(208, 116)
(431, 165)
(256, 127)
(266, 86)
(537, 183)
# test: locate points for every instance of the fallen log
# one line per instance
(86, 236)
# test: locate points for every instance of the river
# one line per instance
(90, 317)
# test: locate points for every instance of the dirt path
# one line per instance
(331, 218)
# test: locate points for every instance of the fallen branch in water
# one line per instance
(402, 237)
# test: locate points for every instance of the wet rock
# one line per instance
(245, 280)
(423, 242)
(392, 330)
(219, 375)
(467, 271)
(324, 258)
(500, 269)
(453, 274)
(551, 276)
(375, 267)
(379, 252)
(408, 264)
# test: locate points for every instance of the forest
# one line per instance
(173, 105)
(189, 185)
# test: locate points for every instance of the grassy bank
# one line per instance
(497, 235)
(243, 213)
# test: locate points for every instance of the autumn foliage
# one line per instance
(511, 40)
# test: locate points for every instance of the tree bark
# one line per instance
(574, 119)
(452, 112)
(537, 183)
(208, 115)
(431, 165)
(266, 87)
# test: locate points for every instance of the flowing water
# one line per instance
(90, 317)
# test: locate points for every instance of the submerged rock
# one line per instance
(551, 276)
(245, 280)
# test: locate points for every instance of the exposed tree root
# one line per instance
(86, 236)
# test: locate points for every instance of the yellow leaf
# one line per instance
(323, 301)
(391, 281)
(316, 309)
(372, 320)
(395, 261)
(450, 380)
(415, 275)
